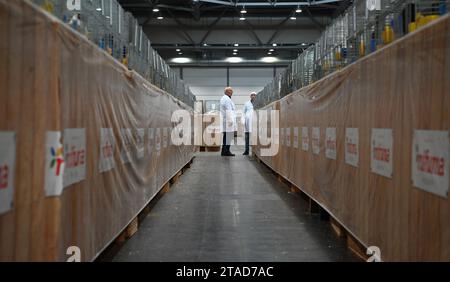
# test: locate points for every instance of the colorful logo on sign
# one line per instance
(430, 164)
(4, 173)
(57, 159)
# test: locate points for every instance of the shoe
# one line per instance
(245, 154)
(230, 155)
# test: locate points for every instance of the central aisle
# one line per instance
(232, 209)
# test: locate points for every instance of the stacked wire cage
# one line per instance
(362, 29)
(109, 26)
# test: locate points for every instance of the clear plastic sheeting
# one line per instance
(92, 139)
(383, 167)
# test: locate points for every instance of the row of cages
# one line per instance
(108, 25)
(362, 29)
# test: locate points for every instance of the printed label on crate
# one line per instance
(330, 143)
(282, 137)
(7, 169)
(165, 137)
(127, 144)
(316, 140)
(288, 137)
(305, 139)
(352, 146)
(74, 5)
(151, 140)
(158, 140)
(295, 137)
(140, 143)
(430, 157)
(54, 164)
(74, 155)
(382, 152)
(107, 144)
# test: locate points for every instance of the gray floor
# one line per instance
(232, 210)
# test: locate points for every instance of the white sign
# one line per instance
(288, 137)
(373, 5)
(75, 156)
(330, 143)
(305, 139)
(7, 168)
(140, 143)
(165, 137)
(54, 164)
(352, 146)
(296, 137)
(73, 5)
(382, 153)
(158, 140)
(107, 144)
(430, 156)
(316, 140)
(127, 143)
(151, 140)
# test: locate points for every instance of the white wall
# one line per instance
(209, 83)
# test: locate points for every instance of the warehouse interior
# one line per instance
(114, 117)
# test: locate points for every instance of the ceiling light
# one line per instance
(156, 10)
(181, 60)
(269, 59)
(270, 53)
(99, 9)
(298, 11)
(274, 45)
(293, 18)
(160, 18)
(236, 45)
(178, 50)
(271, 50)
(243, 11)
(181, 53)
(234, 54)
(242, 19)
(204, 44)
(304, 44)
(234, 60)
(235, 50)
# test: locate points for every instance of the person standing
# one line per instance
(248, 121)
(228, 121)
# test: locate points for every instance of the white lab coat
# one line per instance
(248, 117)
(227, 115)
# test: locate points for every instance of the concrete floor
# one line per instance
(232, 210)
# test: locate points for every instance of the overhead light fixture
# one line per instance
(236, 45)
(270, 53)
(271, 50)
(99, 9)
(298, 10)
(180, 53)
(181, 60)
(234, 54)
(242, 18)
(160, 18)
(204, 44)
(293, 18)
(269, 59)
(234, 60)
(243, 11)
(274, 45)
(156, 10)
(178, 50)
(235, 50)
(304, 44)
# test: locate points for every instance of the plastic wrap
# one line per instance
(53, 81)
(403, 88)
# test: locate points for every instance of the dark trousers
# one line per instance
(247, 142)
(226, 143)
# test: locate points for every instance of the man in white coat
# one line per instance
(228, 121)
(248, 121)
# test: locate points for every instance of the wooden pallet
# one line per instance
(353, 244)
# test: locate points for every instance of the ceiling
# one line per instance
(206, 31)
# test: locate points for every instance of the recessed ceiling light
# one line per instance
(181, 60)
(234, 60)
(269, 59)
(156, 10)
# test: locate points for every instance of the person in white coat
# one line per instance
(228, 121)
(248, 121)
